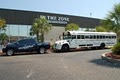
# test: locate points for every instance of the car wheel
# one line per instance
(10, 52)
(42, 50)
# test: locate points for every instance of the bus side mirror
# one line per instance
(68, 33)
(63, 33)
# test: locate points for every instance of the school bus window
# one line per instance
(107, 37)
(98, 36)
(78, 36)
(87, 37)
(91, 36)
(103, 37)
(82, 37)
(94, 36)
(73, 36)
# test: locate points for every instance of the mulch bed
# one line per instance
(112, 56)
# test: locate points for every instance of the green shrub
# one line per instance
(118, 40)
(116, 49)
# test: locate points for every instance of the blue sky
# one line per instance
(97, 8)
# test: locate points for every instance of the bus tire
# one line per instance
(65, 48)
(102, 46)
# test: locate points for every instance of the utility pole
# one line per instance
(90, 15)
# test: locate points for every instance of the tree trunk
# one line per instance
(37, 35)
(42, 37)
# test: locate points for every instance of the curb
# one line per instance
(109, 59)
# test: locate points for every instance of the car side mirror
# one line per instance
(16, 43)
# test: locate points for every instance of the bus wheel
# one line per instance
(65, 48)
(102, 46)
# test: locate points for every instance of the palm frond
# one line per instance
(40, 26)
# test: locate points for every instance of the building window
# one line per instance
(18, 30)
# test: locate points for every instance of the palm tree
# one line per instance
(72, 27)
(3, 37)
(39, 27)
(100, 29)
(2, 24)
(112, 21)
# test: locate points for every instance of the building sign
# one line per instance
(56, 19)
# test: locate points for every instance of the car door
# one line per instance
(21, 46)
(31, 44)
(27, 45)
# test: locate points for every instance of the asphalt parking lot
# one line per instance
(78, 65)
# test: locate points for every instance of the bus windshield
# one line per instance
(66, 37)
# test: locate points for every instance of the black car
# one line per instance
(26, 45)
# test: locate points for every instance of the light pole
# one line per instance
(90, 15)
